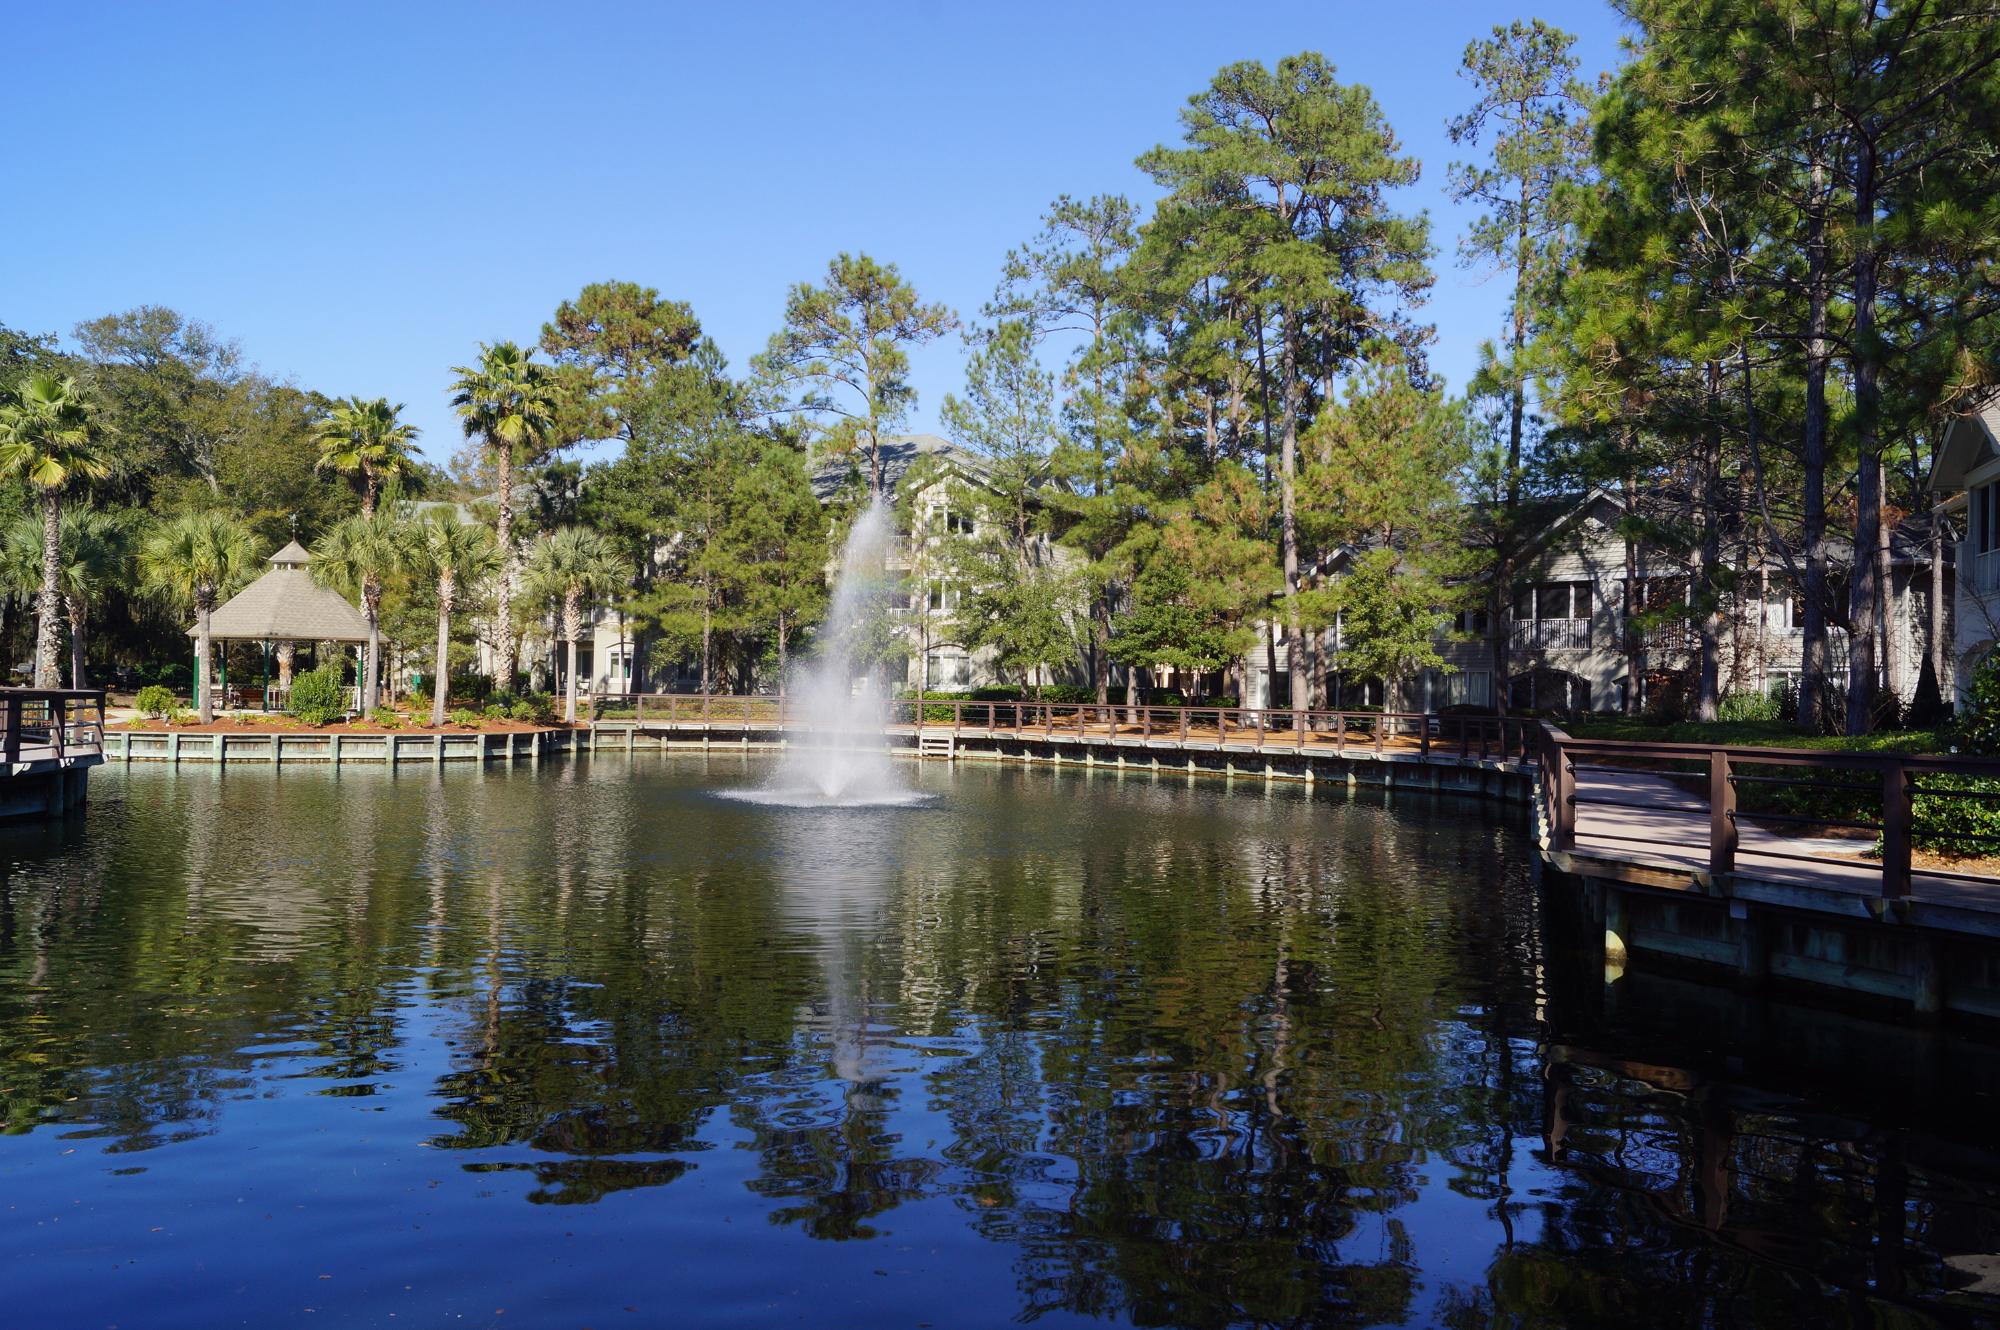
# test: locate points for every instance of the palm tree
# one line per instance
(191, 560)
(356, 558)
(566, 566)
(368, 442)
(49, 437)
(96, 549)
(510, 404)
(454, 555)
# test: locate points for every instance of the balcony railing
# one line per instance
(1551, 635)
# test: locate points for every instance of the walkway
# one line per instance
(1649, 820)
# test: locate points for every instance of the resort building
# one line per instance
(1568, 649)
(1968, 471)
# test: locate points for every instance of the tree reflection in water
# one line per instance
(1168, 1053)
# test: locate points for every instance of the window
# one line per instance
(1984, 534)
(1468, 688)
(1471, 621)
(1553, 600)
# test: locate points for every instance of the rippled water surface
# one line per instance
(595, 1046)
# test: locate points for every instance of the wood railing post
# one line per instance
(12, 742)
(957, 718)
(1184, 723)
(1424, 736)
(1721, 816)
(1260, 727)
(1562, 821)
(1895, 830)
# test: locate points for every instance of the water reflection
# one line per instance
(1062, 1046)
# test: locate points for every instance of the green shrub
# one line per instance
(1956, 815)
(318, 696)
(465, 716)
(156, 701)
(497, 711)
(1748, 707)
(420, 701)
(522, 710)
(389, 718)
(1977, 728)
(541, 708)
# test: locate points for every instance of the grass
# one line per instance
(1756, 734)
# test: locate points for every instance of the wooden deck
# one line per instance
(1198, 729)
(49, 741)
(1644, 820)
(46, 729)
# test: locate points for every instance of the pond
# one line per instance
(595, 1045)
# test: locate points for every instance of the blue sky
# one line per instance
(360, 194)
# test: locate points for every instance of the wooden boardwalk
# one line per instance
(1418, 735)
(1672, 832)
(49, 740)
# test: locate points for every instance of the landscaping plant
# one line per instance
(318, 696)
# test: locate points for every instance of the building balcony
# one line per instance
(1550, 635)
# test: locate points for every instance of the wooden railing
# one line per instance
(37, 724)
(1808, 791)
(1550, 634)
(1422, 733)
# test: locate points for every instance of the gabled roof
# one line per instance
(1970, 441)
(286, 605)
(900, 452)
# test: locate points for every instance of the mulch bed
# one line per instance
(285, 725)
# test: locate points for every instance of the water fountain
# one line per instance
(840, 760)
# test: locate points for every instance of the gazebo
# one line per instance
(286, 605)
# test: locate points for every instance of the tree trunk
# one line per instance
(371, 607)
(572, 628)
(1893, 613)
(1288, 517)
(1936, 644)
(1708, 697)
(569, 693)
(1813, 661)
(783, 651)
(1631, 639)
(1100, 641)
(707, 634)
(48, 607)
(442, 666)
(204, 702)
(1864, 600)
(503, 528)
(76, 679)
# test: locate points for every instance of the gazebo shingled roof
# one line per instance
(286, 605)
